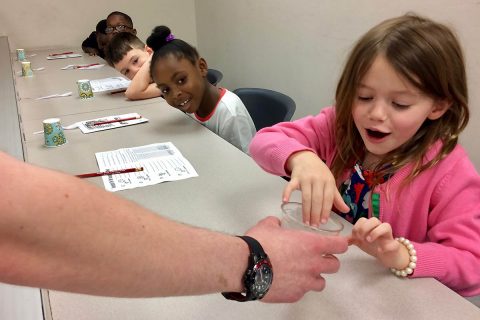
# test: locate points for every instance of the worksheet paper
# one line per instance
(160, 161)
(108, 84)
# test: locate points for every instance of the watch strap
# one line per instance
(253, 245)
(254, 248)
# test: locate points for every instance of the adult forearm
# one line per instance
(72, 236)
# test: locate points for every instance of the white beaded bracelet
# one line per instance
(413, 259)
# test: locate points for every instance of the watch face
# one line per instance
(263, 278)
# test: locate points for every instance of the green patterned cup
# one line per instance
(84, 89)
(53, 132)
(20, 54)
(26, 69)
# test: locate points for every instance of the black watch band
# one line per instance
(258, 261)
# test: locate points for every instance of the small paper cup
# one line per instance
(85, 90)
(292, 219)
(20, 54)
(53, 133)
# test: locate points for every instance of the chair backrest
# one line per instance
(214, 76)
(266, 107)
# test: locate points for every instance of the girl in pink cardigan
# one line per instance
(386, 155)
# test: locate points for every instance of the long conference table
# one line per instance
(230, 194)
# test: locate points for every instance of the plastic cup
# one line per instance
(53, 132)
(292, 219)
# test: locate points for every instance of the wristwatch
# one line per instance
(259, 275)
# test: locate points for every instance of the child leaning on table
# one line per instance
(181, 75)
(388, 148)
(96, 41)
(129, 55)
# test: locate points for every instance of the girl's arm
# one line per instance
(297, 149)
(272, 146)
(450, 250)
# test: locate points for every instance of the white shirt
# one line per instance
(230, 120)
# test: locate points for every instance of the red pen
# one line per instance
(60, 54)
(115, 120)
(107, 173)
(86, 65)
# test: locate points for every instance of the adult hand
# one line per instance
(317, 184)
(299, 259)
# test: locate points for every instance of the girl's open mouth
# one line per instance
(376, 134)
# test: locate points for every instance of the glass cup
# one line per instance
(292, 219)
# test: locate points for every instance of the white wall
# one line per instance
(60, 23)
(299, 47)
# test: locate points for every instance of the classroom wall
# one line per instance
(57, 23)
(299, 47)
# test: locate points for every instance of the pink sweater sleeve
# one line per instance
(271, 147)
(451, 252)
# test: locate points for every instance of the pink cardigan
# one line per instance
(439, 211)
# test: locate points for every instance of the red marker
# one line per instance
(116, 120)
(60, 54)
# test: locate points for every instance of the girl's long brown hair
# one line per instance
(429, 56)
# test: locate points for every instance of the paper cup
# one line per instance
(26, 69)
(84, 89)
(53, 132)
(20, 54)
(292, 219)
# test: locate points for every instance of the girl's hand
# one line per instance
(376, 239)
(314, 179)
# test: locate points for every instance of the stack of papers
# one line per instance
(160, 161)
(108, 84)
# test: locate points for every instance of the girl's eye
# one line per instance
(364, 98)
(135, 61)
(164, 90)
(400, 105)
(181, 81)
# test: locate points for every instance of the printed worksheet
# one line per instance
(109, 84)
(160, 162)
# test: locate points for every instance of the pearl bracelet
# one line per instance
(413, 259)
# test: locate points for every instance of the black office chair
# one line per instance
(214, 76)
(266, 107)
